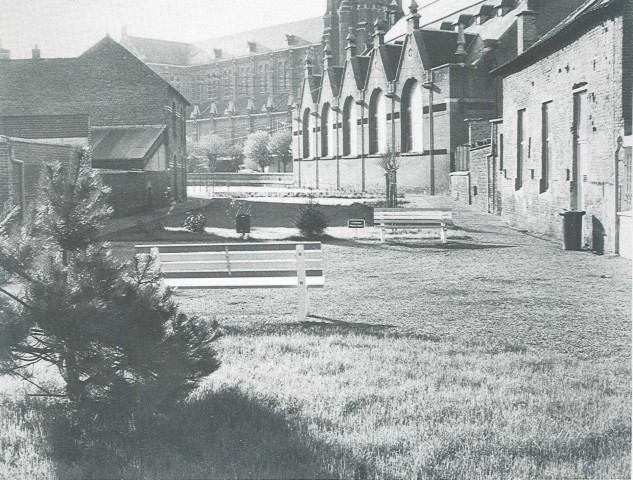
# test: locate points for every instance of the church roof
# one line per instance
(279, 37)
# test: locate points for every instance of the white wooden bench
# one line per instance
(412, 218)
(241, 265)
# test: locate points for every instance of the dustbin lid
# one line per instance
(572, 213)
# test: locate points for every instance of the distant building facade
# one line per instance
(412, 91)
(133, 119)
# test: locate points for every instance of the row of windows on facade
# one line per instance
(228, 83)
(378, 120)
(524, 143)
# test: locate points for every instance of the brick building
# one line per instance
(133, 119)
(564, 142)
(410, 91)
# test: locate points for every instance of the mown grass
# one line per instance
(345, 405)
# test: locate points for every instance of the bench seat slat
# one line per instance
(239, 274)
(232, 247)
(221, 265)
(248, 282)
(237, 256)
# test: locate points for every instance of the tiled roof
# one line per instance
(151, 50)
(124, 143)
(304, 32)
(84, 85)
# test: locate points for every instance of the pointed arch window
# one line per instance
(349, 127)
(305, 132)
(377, 123)
(325, 132)
(412, 126)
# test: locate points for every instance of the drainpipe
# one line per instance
(361, 102)
(430, 85)
(315, 114)
(616, 184)
(336, 109)
(299, 152)
(392, 94)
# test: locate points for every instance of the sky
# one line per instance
(66, 28)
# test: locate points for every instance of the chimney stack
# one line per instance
(36, 53)
(460, 53)
(527, 31)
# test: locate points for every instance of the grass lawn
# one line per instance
(495, 356)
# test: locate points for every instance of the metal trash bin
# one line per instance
(243, 224)
(572, 230)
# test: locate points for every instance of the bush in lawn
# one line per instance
(312, 221)
(195, 222)
(121, 345)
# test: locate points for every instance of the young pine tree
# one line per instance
(114, 337)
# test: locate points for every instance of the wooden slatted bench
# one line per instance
(241, 265)
(412, 218)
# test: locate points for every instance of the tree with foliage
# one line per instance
(114, 336)
(279, 147)
(256, 149)
(216, 150)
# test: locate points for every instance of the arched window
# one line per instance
(325, 132)
(412, 133)
(377, 123)
(349, 127)
(306, 133)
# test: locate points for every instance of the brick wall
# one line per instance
(131, 192)
(480, 177)
(5, 172)
(576, 66)
(460, 187)
(35, 156)
(46, 126)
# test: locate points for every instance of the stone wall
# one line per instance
(135, 192)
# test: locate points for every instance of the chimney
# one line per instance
(413, 20)
(351, 44)
(527, 32)
(4, 53)
(217, 53)
(460, 53)
(379, 33)
(36, 53)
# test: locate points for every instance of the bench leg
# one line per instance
(382, 235)
(443, 233)
(302, 284)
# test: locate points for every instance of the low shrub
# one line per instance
(195, 222)
(312, 221)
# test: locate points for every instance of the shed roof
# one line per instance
(125, 143)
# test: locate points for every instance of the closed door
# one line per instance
(579, 166)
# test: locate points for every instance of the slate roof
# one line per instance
(67, 86)
(125, 143)
(151, 50)
(306, 32)
(589, 11)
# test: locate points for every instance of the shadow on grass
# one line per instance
(449, 245)
(224, 434)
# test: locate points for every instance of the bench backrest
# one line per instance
(412, 215)
(238, 265)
